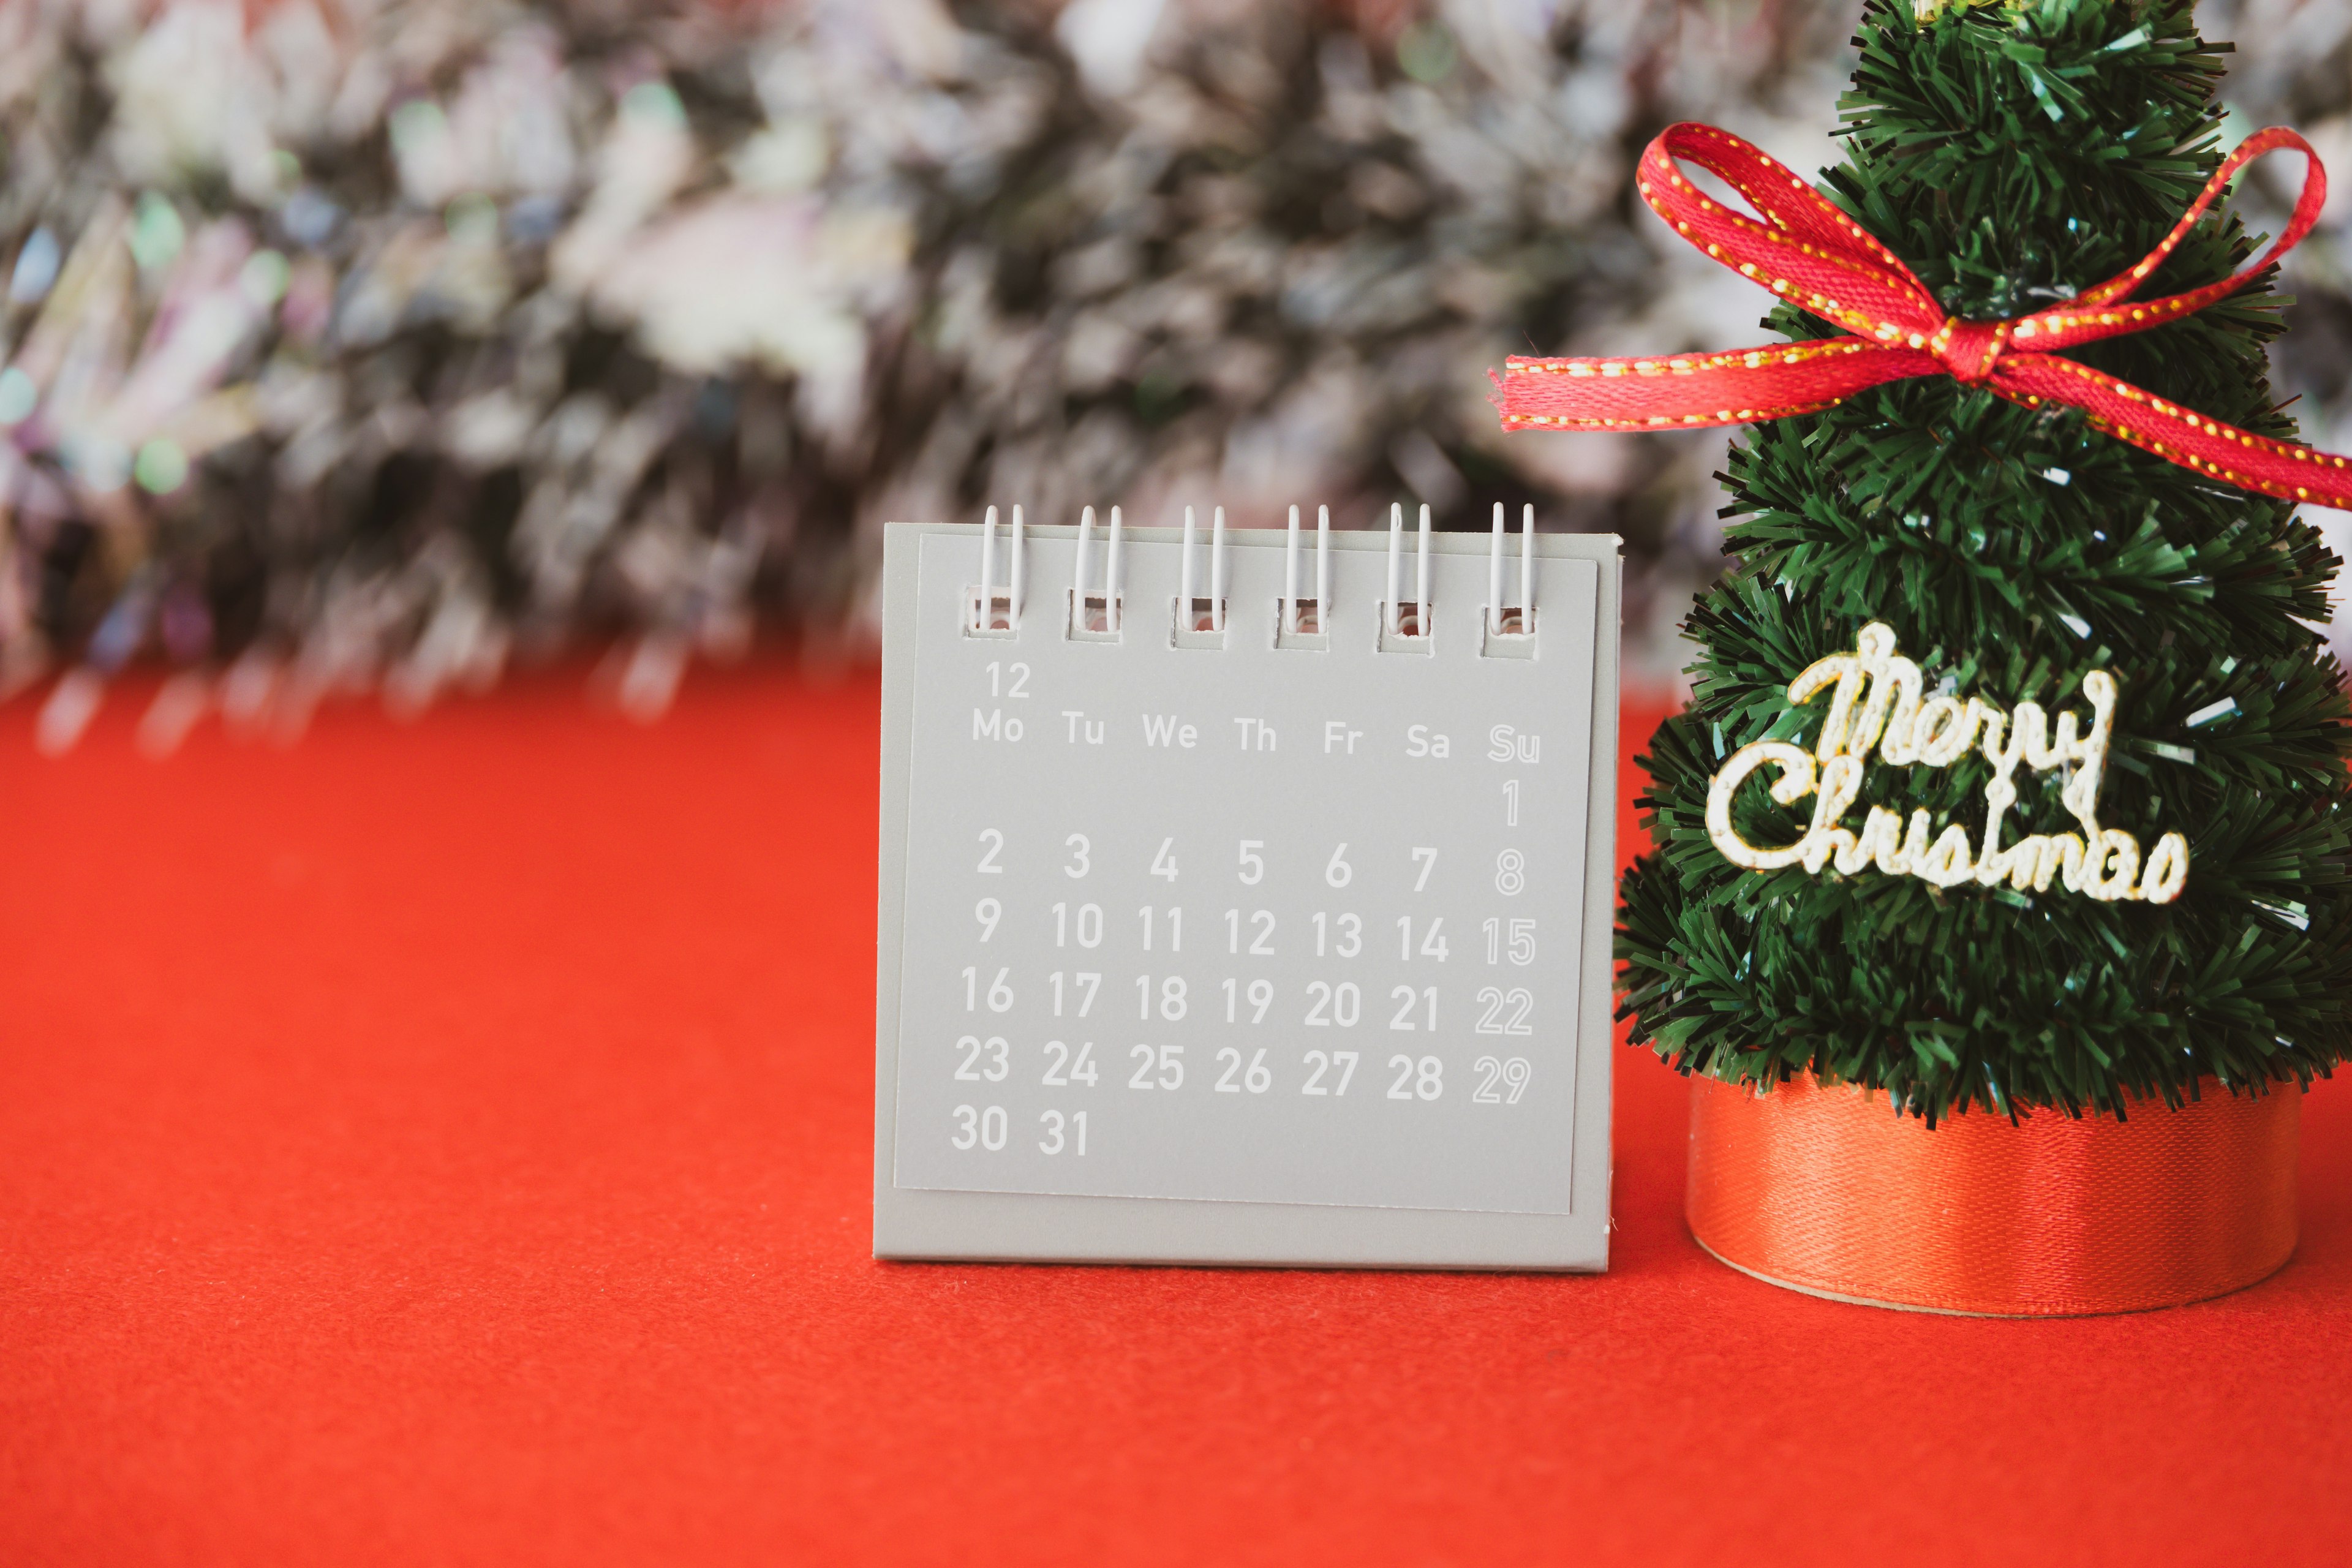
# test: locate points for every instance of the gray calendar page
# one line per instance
(1198, 926)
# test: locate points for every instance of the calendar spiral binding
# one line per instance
(1096, 613)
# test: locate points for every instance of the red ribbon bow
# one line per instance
(1816, 258)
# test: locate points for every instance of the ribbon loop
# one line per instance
(1801, 247)
(1804, 248)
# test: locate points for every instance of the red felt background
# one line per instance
(450, 1143)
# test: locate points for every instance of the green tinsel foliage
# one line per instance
(2012, 156)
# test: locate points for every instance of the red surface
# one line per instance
(450, 1143)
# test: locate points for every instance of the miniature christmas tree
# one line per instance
(2108, 645)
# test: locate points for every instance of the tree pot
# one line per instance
(1827, 1190)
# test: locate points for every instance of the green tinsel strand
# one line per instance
(2011, 155)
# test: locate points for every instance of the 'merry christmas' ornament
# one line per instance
(1936, 733)
(2078, 953)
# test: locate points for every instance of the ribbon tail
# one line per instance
(2182, 435)
(1692, 391)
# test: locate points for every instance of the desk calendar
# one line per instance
(1246, 895)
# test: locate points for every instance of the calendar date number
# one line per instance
(989, 1128)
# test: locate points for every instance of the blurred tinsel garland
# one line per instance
(366, 347)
